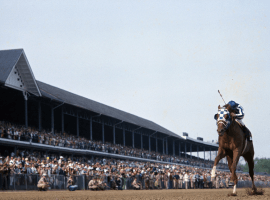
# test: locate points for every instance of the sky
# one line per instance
(161, 60)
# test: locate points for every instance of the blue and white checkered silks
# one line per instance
(222, 112)
(221, 117)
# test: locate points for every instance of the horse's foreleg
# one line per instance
(220, 155)
(236, 156)
(234, 189)
(230, 161)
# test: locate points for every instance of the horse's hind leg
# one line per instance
(249, 158)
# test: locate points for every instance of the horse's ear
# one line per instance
(219, 107)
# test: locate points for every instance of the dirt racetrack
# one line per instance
(131, 194)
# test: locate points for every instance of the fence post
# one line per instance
(14, 182)
(25, 178)
(54, 181)
(83, 182)
(64, 182)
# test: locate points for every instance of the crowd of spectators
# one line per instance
(105, 173)
(15, 132)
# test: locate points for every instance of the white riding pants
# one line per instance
(240, 121)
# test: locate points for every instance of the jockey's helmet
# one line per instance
(232, 104)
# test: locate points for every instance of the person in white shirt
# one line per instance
(33, 169)
(181, 181)
(11, 161)
(186, 179)
(60, 160)
(26, 161)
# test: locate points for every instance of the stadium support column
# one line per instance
(179, 149)
(197, 151)
(185, 150)
(149, 140)
(15, 150)
(141, 141)
(124, 137)
(113, 134)
(132, 139)
(103, 138)
(52, 118)
(156, 145)
(173, 148)
(78, 125)
(63, 120)
(190, 150)
(25, 109)
(39, 116)
(204, 153)
(210, 155)
(167, 146)
(91, 129)
(163, 149)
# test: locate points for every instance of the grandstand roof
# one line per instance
(88, 104)
(15, 71)
(10, 58)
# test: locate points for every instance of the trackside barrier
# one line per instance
(59, 182)
(1, 182)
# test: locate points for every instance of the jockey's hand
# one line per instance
(233, 114)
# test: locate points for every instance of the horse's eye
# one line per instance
(226, 116)
(215, 116)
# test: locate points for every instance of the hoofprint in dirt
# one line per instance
(132, 194)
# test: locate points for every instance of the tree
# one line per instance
(261, 165)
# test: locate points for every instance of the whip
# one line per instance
(221, 97)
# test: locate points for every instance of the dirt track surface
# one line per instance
(131, 194)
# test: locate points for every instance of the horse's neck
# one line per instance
(235, 132)
(234, 129)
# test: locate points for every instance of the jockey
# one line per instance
(237, 111)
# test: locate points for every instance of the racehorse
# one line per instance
(233, 144)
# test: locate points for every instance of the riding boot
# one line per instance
(247, 133)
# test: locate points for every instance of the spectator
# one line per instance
(186, 179)
(70, 184)
(42, 183)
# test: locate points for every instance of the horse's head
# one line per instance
(223, 119)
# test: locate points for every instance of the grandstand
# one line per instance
(32, 103)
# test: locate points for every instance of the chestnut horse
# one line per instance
(233, 144)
